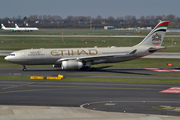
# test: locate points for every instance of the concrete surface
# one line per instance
(9, 112)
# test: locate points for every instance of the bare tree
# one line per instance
(44, 17)
(110, 18)
(56, 18)
(83, 21)
(133, 18)
(142, 19)
(70, 19)
(40, 17)
(120, 18)
(99, 17)
(127, 18)
(170, 17)
(158, 18)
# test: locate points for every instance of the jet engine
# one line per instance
(71, 64)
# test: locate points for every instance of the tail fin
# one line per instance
(3, 26)
(16, 26)
(156, 36)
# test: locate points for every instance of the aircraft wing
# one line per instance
(92, 57)
(106, 56)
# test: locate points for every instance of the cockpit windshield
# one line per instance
(11, 54)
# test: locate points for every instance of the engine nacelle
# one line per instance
(71, 65)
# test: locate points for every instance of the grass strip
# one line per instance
(86, 79)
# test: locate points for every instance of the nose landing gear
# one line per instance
(24, 68)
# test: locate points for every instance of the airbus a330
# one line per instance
(80, 58)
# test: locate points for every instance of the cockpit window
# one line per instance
(11, 54)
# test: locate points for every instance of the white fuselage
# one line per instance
(51, 56)
(12, 29)
(20, 29)
(26, 29)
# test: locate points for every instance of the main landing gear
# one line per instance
(24, 68)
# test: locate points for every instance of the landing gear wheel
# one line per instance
(24, 68)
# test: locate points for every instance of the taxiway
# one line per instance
(110, 97)
(85, 100)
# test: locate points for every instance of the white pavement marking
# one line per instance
(171, 90)
(162, 70)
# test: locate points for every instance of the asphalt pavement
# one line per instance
(109, 97)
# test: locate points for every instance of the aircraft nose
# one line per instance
(6, 58)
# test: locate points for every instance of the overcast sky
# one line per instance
(93, 8)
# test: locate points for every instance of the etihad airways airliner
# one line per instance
(80, 58)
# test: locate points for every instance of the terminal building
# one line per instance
(109, 27)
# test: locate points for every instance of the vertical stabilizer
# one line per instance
(156, 36)
(3, 26)
(16, 26)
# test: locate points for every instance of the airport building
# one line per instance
(109, 27)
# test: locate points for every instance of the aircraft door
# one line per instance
(48, 54)
(22, 54)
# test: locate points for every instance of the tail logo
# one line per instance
(156, 39)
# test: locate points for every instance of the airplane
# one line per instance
(25, 28)
(5, 28)
(83, 58)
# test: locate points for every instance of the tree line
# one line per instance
(56, 21)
